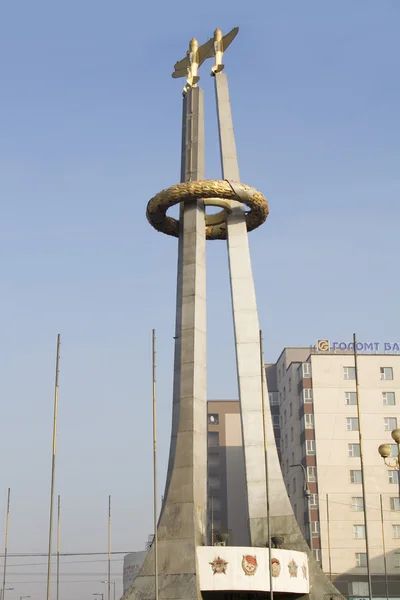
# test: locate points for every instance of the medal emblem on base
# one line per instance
(219, 565)
(275, 567)
(292, 566)
(249, 564)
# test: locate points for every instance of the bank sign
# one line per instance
(373, 347)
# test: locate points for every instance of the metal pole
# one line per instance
(262, 374)
(329, 538)
(307, 497)
(109, 548)
(155, 465)
(6, 545)
(53, 467)
(362, 464)
(58, 546)
(384, 551)
(212, 520)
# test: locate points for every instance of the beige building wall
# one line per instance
(307, 393)
(334, 464)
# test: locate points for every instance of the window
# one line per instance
(286, 441)
(357, 503)
(214, 481)
(352, 424)
(273, 398)
(290, 409)
(279, 374)
(275, 421)
(359, 532)
(360, 588)
(284, 394)
(312, 474)
(389, 398)
(278, 443)
(294, 485)
(390, 423)
(307, 395)
(214, 460)
(396, 531)
(215, 503)
(213, 438)
(283, 369)
(355, 476)
(293, 458)
(350, 398)
(288, 488)
(313, 500)
(287, 466)
(310, 447)
(315, 528)
(317, 555)
(213, 419)
(386, 373)
(290, 384)
(280, 397)
(217, 525)
(393, 450)
(291, 434)
(309, 421)
(306, 369)
(354, 450)
(395, 503)
(393, 476)
(361, 559)
(349, 373)
(397, 560)
(285, 416)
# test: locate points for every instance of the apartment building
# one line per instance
(313, 404)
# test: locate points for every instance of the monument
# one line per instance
(184, 567)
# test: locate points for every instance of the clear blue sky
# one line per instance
(89, 131)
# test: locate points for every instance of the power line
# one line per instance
(71, 562)
(29, 554)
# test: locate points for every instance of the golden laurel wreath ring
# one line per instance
(213, 193)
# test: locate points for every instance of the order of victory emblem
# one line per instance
(304, 569)
(292, 566)
(249, 564)
(219, 565)
(275, 567)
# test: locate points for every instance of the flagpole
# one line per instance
(360, 439)
(58, 545)
(6, 544)
(53, 468)
(155, 464)
(109, 549)
(262, 374)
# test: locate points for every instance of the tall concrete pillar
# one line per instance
(182, 524)
(246, 330)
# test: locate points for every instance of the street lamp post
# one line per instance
(113, 583)
(307, 495)
(385, 451)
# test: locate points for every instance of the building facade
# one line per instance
(313, 402)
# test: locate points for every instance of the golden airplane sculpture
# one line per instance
(188, 67)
